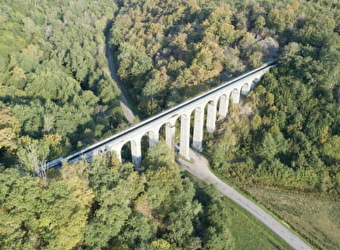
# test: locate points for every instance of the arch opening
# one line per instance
(125, 152)
(167, 133)
(145, 145)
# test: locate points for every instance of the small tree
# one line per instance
(33, 155)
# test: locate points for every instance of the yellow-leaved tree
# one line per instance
(9, 130)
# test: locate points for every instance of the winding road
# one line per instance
(123, 103)
(200, 169)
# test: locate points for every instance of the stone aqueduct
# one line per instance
(215, 102)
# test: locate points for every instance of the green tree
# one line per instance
(331, 148)
(34, 216)
(9, 130)
(260, 23)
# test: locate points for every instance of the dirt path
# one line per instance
(123, 103)
(200, 169)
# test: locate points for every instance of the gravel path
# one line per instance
(200, 169)
(123, 103)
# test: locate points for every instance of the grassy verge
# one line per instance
(245, 193)
(254, 199)
(317, 219)
(249, 233)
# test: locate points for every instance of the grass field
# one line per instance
(316, 219)
(251, 234)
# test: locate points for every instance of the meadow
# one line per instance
(249, 233)
(316, 219)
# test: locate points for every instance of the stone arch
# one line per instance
(211, 115)
(256, 80)
(245, 89)
(162, 131)
(153, 137)
(130, 151)
(116, 147)
(125, 152)
(185, 116)
(88, 157)
(145, 144)
(199, 108)
(235, 95)
(136, 152)
(197, 138)
(211, 102)
(118, 152)
(167, 131)
(184, 138)
(101, 151)
(148, 140)
(223, 104)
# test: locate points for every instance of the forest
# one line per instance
(290, 141)
(55, 85)
(106, 205)
(57, 96)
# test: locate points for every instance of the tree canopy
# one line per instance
(55, 81)
(108, 205)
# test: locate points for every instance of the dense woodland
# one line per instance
(290, 139)
(56, 92)
(106, 205)
(169, 51)
(56, 96)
